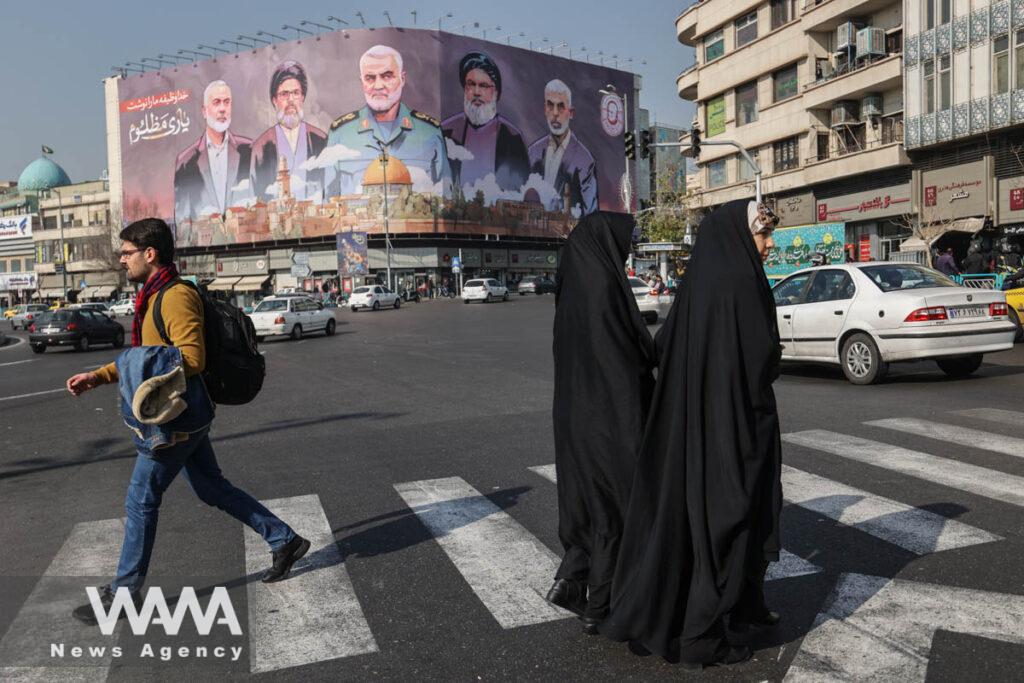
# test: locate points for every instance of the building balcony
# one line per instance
(867, 77)
(686, 82)
(886, 153)
(705, 16)
(686, 25)
(826, 15)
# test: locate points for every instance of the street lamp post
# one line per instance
(63, 251)
(383, 158)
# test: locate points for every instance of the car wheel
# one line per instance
(465, 301)
(355, 308)
(1020, 329)
(39, 348)
(376, 305)
(961, 366)
(83, 343)
(119, 340)
(296, 333)
(398, 303)
(329, 329)
(862, 363)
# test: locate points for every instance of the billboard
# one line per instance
(16, 227)
(313, 137)
(353, 256)
(794, 247)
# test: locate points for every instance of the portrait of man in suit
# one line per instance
(559, 157)
(291, 141)
(208, 175)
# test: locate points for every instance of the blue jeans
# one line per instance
(152, 476)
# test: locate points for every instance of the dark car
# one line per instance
(537, 284)
(80, 328)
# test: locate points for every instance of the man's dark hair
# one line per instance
(286, 70)
(151, 232)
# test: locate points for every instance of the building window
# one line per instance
(716, 173)
(823, 144)
(1001, 64)
(714, 45)
(744, 171)
(1018, 57)
(49, 222)
(3, 266)
(784, 83)
(746, 103)
(714, 123)
(746, 29)
(929, 86)
(937, 12)
(892, 129)
(783, 12)
(16, 265)
(30, 264)
(945, 84)
(786, 154)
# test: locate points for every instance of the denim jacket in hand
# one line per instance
(156, 400)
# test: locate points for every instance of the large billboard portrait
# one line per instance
(314, 137)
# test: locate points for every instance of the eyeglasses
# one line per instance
(127, 253)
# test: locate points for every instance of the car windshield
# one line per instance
(270, 305)
(475, 283)
(895, 277)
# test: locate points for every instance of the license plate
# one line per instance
(967, 312)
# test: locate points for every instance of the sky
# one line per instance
(58, 53)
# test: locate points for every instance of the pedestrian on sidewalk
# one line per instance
(147, 254)
(946, 263)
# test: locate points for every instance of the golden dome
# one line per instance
(398, 174)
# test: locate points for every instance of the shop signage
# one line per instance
(795, 210)
(716, 116)
(16, 227)
(15, 281)
(1011, 200)
(866, 206)
(955, 192)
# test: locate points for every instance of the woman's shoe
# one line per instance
(724, 656)
(765, 621)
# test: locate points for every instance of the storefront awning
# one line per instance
(251, 283)
(97, 292)
(49, 293)
(223, 284)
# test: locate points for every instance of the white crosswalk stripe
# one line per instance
(908, 527)
(972, 479)
(508, 568)
(972, 438)
(313, 616)
(1006, 417)
(546, 471)
(89, 555)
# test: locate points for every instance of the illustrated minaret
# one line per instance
(284, 178)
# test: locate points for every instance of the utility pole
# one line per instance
(63, 249)
(383, 158)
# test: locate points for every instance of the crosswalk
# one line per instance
(317, 615)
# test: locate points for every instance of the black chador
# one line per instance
(703, 518)
(603, 357)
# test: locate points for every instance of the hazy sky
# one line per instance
(58, 52)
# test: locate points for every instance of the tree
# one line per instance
(673, 210)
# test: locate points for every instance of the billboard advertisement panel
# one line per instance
(794, 247)
(16, 227)
(301, 138)
(353, 257)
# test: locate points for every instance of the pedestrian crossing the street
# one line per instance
(318, 615)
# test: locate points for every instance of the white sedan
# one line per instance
(123, 307)
(486, 290)
(373, 297)
(651, 305)
(864, 316)
(291, 315)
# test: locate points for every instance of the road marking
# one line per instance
(314, 615)
(979, 481)
(788, 566)
(908, 527)
(879, 629)
(1006, 417)
(34, 393)
(17, 362)
(505, 565)
(89, 556)
(973, 438)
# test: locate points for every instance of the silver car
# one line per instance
(652, 306)
(26, 313)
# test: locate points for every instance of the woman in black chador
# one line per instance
(703, 518)
(604, 356)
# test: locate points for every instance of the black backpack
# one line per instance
(234, 368)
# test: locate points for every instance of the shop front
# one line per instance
(795, 210)
(523, 262)
(1010, 222)
(242, 279)
(16, 288)
(956, 206)
(877, 221)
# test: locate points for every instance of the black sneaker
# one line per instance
(285, 558)
(86, 614)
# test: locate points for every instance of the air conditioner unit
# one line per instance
(846, 35)
(871, 105)
(870, 42)
(844, 112)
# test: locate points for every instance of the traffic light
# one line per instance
(645, 143)
(630, 145)
(695, 142)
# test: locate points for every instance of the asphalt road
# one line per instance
(405, 445)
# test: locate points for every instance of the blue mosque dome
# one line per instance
(42, 174)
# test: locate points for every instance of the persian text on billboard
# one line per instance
(14, 227)
(285, 142)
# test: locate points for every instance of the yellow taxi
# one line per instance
(1015, 302)
(9, 313)
(56, 305)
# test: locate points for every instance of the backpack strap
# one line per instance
(158, 318)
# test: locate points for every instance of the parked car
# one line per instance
(652, 306)
(9, 313)
(80, 328)
(123, 307)
(97, 306)
(373, 297)
(485, 289)
(536, 284)
(291, 315)
(865, 316)
(25, 314)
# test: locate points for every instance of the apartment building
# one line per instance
(964, 90)
(814, 90)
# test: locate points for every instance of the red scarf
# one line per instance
(153, 285)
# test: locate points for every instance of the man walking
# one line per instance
(946, 264)
(147, 254)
